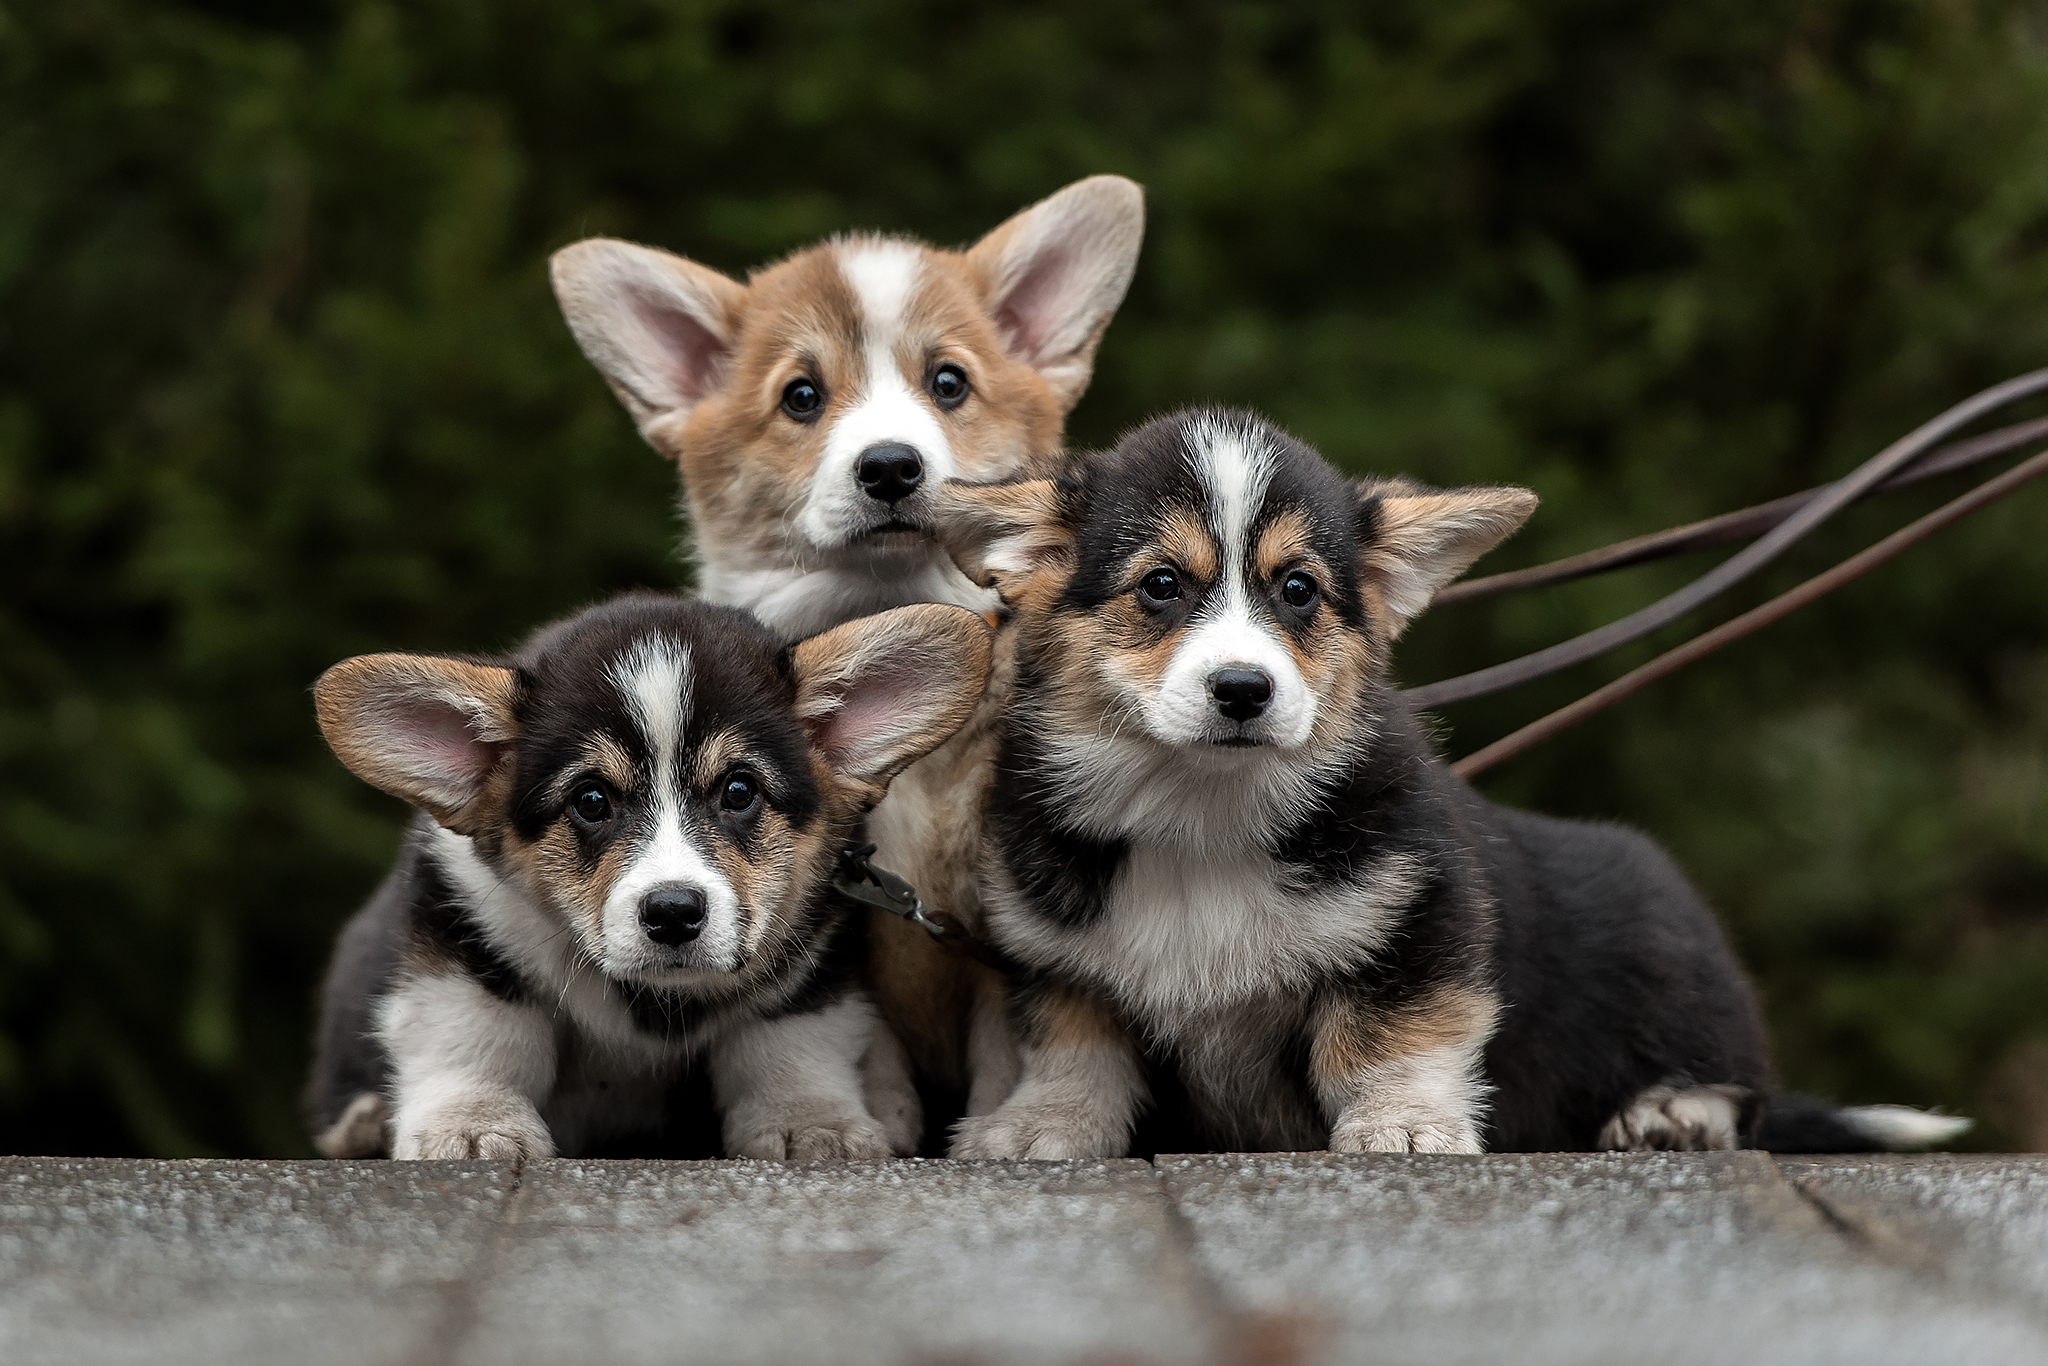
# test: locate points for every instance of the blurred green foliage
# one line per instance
(280, 381)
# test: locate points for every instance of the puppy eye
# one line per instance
(592, 804)
(742, 790)
(1298, 590)
(949, 386)
(801, 399)
(1158, 588)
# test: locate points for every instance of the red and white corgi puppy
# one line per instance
(812, 411)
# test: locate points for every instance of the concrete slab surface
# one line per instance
(1567, 1258)
(300, 1262)
(1276, 1259)
(848, 1262)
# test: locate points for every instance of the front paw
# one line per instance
(492, 1129)
(803, 1133)
(1382, 1133)
(1037, 1133)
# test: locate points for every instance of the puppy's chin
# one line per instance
(1227, 750)
(894, 528)
(1214, 741)
(649, 964)
(871, 526)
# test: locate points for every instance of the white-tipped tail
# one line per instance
(1899, 1127)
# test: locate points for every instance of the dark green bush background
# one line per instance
(280, 381)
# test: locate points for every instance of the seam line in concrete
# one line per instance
(1184, 1243)
(465, 1296)
(1238, 1333)
(1877, 1241)
(1884, 1243)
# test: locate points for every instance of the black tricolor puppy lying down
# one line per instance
(625, 858)
(1238, 876)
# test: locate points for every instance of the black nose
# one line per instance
(1241, 694)
(672, 915)
(890, 473)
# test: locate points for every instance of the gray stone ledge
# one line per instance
(1275, 1258)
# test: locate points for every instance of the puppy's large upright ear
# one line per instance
(657, 327)
(1418, 540)
(429, 730)
(1001, 534)
(883, 691)
(1053, 275)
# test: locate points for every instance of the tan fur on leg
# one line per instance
(1404, 1080)
(1079, 1095)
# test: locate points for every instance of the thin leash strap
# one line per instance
(1906, 537)
(1737, 567)
(1744, 524)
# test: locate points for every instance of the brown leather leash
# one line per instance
(858, 879)
(1777, 525)
(1754, 620)
(1730, 527)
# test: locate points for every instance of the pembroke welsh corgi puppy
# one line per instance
(624, 860)
(812, 411)
(1238, 878)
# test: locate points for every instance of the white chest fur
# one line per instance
(1185, 933)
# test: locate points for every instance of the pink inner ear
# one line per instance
(1039, 306)
(873, 718)
(439, 741)
(692, 352)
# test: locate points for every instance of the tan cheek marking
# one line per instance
(1328, 647)
(611, 866)
(755, 879)
(1097, 673)
(1142, 667)
(1357, 1038)
(551, 866)
(1073, 649)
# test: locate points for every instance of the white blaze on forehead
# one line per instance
(884, 277)
(1235, 464)
(654, 678)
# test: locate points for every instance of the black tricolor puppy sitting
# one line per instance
(1226, 854)
(634, 822)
